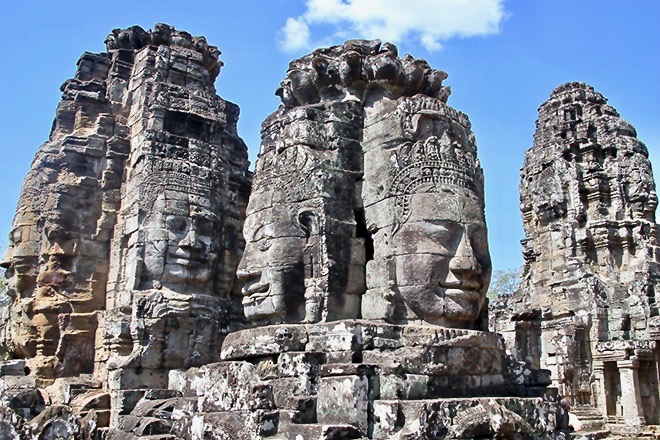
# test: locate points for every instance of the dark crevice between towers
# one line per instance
(361, 231)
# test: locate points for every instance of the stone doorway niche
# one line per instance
(613, 390)
(528, 342)
(648, 381)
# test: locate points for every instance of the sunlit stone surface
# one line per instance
(587, 305)
(346, 298)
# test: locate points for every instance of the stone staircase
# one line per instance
(594, 425)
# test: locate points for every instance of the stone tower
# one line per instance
(352, 167)
(587, 307)
(361, 311)
(365, 271)
(124, 248)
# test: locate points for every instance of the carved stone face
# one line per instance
(181, 243)
(272, 268)
(441, 257)
(40, 284)
(21, 259)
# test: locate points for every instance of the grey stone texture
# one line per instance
(587, 306)
(345, 299)
(365, 272)
(381, 380)
(124, 248)
(361, 155)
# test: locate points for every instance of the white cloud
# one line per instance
(295, 34)
(430, 22)
(430, 42)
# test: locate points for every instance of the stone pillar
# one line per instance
(657, 360)
(631, 399)
(599, 379)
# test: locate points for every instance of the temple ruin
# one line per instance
(127, 236)
(587, 308)
(162, 290)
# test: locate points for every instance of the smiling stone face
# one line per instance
(192, 246)
(423, 197)
(303, 260)
(441, 259)
(272, 268)
(181, 243)
(21, 259)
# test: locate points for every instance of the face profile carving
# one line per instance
(439, 241)
(300, 227)
(284, 267)
(431, 260)
(272, 268)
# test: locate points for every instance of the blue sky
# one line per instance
(503, 59)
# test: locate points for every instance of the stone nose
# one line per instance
(465, 266)
(191, 241)
(245, 275)
(252, 282)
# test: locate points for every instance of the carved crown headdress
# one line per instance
(173, 176)
(432, 161)
(429, 166)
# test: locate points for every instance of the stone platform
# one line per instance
(360, 379)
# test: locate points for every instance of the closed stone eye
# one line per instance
(265, 244)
